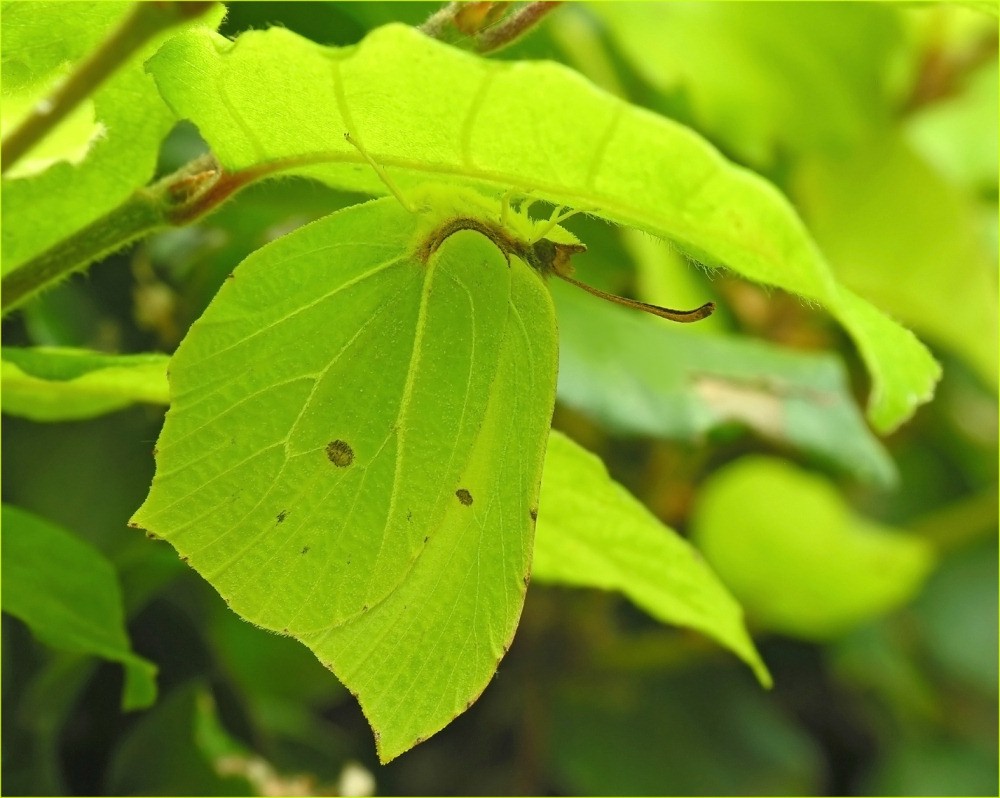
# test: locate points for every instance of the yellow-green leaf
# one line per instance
(593, 533)
(64, 384)
(798, 559)
(277, 101)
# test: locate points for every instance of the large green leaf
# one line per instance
(354, 446)
(68, 595)
(643, 376)
(897, 232)
(796, 556)
(812, 77)
(92, 161)
(593, 533)
(274, 98)
(62, 384)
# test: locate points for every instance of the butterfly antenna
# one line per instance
(381, 173)
(682, 316)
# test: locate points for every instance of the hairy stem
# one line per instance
(438, 23)
(142, 23)
(194, 190)
(480, 21)
(513, 27)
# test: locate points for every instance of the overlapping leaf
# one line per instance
(641, 376)
(62, 384)
(273, 97)
(94, 160)
(593, 533)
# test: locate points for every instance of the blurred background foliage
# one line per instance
(867, 567)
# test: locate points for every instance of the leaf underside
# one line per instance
(281, 100)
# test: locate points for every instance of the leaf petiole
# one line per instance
(143, 22)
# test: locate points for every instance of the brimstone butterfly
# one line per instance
(354, 445)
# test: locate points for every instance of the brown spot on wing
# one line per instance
(340, 453)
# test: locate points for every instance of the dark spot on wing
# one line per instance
(305, 550)
(527, 579)
(533, 512)
(464, 496)
(340, 453)
(152, 536)
(282, 516)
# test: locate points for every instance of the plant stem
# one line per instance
(436, 25)
(513, 27)
(148, 209)
(478, 20)
(197, 188)
(138, 215)
(143, 22)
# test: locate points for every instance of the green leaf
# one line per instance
(593, 533)
(353, 451)
(899, 234)
(286, 102)
(90, 164)
(178, 748)
(41, 706)
(62, 384)
(68, 595)
(796, 557)
(812, 77)
(639, 375)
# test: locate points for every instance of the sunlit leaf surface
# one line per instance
(108, 148)
(279, 99)
(593, 533)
